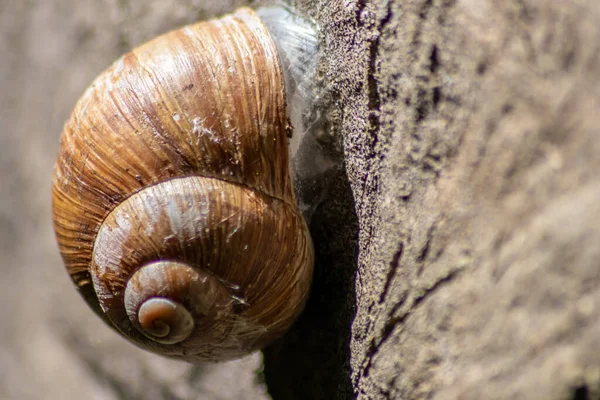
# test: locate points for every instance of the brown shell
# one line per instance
(197, 114)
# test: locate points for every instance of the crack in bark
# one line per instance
(415, 302)
(423, 13)
(394, 265)
(434, 287)
(394, 321)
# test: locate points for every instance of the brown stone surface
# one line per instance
(477, 200)
(457, 253)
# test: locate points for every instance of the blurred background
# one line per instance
(52, 345)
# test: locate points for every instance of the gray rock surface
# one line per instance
(457, 250)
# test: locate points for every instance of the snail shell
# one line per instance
(173, 204)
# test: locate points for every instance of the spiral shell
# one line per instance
(173, 204)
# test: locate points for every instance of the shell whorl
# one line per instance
(163, 299)
(235, 262)
(163, 320)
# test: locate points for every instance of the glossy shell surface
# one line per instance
(178, 154)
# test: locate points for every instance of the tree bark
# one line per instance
(471, 147)
(457, 249)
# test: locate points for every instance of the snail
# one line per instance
(174, 205)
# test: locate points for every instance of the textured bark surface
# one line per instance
(457, 251)
(477, 197)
